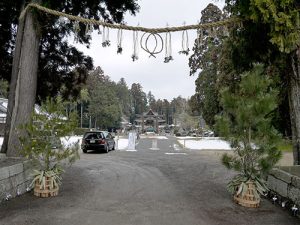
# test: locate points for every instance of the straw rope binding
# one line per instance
(132, 28)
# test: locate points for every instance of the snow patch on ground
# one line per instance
(154, 137)
(198, 138)
(205, 144)
(70, 140)
(121, 143)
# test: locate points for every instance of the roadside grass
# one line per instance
(286, 146)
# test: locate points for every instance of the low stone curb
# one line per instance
(15, 179)
(285, 185)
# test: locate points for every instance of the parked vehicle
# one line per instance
(98, 140)
(181, 134)
(209, 134)
(192, 134)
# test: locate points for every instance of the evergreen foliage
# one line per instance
(206, 58)
(62, 67)
(246, 124)
(271, 35)
(104, 105)
(42, 142)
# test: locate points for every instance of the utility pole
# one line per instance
(142, 109)
(81, 111)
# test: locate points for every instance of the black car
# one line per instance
(98, 140)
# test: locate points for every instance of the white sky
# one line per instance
(164, 80)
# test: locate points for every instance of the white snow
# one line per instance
(121, 143)
(70, 140)
(154, 137)
(206, 144)
(198, 138)
(175, 153)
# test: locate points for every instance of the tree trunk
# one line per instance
(13, 81)
(294, 102)
(25, 92)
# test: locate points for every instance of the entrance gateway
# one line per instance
(149, 121)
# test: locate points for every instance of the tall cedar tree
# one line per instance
(206, 54)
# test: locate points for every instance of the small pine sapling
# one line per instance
(246, 123)
(42, 142)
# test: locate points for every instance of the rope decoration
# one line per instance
(150, 35)
(105, 37)
(76, 29)
(119, 41)
(185, 43)
(88, 29)
(132, 28)
(168, 48)
(135, 55)
(158, 46)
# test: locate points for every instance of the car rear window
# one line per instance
(93, 135)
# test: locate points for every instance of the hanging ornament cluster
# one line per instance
(151, 40)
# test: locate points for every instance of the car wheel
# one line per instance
(106, 149)
(84, 150)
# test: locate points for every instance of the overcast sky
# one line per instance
(164, 80)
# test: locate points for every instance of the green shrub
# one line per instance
(42, 142)
(80, 131)
(246, 124)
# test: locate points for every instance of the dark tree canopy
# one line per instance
(252, 44)
(62, 68)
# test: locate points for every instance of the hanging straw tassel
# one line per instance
(135, 56)
(119, 41)
(76, 28)
(105, 37)
(88, 29)
(168, 48)
(185, 43)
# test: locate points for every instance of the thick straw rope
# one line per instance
(126, 27)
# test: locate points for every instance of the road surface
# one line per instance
(159, 184)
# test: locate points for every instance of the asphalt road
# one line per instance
(151, 186)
